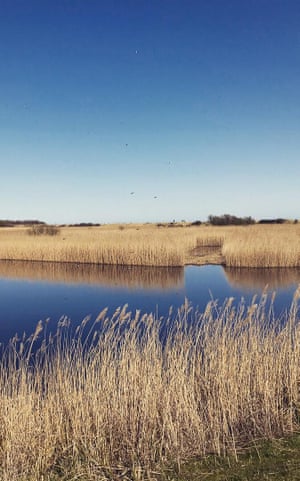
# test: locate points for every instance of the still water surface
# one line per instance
(30, 292)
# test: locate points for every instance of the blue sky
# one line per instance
(192, 105)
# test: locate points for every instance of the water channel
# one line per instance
(30, 292)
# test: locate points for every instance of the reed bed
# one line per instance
(149, 245)
(98, 246)
(129, 395)
(263, 246)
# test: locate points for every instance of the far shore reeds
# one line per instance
(152, 245)
(140, 394)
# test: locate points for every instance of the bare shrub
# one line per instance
(40, 229)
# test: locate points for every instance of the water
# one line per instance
(30, 292)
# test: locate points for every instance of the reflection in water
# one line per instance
(75, 291)
(256, 278)
(123, 276)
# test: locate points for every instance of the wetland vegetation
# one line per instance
(143, 395)
(259, 245)
(133, 396)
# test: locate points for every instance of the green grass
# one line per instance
(274, 460)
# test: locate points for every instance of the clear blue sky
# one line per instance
(196, 103)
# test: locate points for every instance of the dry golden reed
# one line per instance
(148, 245)
(263, 246)
(96, 246)
(138, 393)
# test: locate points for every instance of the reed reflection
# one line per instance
(255, 278)
(121, 276)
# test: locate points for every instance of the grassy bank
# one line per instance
(150, 245)
(272, 460)
(138, 399)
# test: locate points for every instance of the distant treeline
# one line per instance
(84, 224)
(12, 223)
(272, 221)
(29, 223)
(225, 219)
(228, 219)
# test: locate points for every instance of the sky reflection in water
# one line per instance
(33, 291)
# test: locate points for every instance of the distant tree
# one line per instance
(227, 219)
